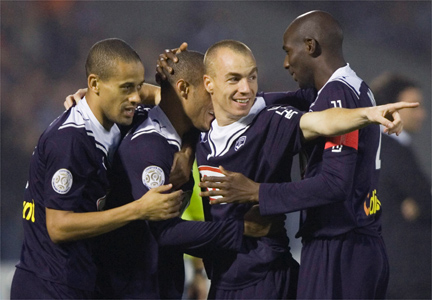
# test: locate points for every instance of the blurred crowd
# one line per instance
(44, 45)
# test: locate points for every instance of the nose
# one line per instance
(135, 97)
(286, 62)
(244, 86)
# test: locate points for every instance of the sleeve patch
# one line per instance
(61, 181)
(153, 176)
(349, 140)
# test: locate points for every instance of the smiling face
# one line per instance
(232, 84)
(119, 94)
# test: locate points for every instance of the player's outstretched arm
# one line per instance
(155, 205)
(338, 121)
(233, 187)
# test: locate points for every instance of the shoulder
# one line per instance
(65, 132)
(279, 113)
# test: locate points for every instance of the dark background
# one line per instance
(44, 45)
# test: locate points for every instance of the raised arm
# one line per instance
(338, 121)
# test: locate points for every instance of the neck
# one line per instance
(172, 108)
(326, 70)
(93, 102)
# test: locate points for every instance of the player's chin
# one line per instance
(125, 121)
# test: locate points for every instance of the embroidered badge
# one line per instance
(153, 176)
(240, 142)
(62, 181)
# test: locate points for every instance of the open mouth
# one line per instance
(242, 101)
(130, 111)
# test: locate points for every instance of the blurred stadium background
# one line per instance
(44, 45)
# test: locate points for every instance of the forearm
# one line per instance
(331, 185)
(198, 237)
(333, 122)
(150, 94)
(66, 226)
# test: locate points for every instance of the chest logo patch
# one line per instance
(153, 176)
(62, 181)
(240, 142)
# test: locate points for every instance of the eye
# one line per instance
(140, 86)
(253, 77)
(127, 87)
(233, 79)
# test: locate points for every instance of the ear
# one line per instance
(312, 47)
(208, 84)
(93, 83)
(183, 88)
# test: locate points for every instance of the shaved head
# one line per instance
(320, 26)
(189, 67)
(211, 55)
(313, 44)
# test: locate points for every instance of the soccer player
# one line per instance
(343, 253)
(68, 182)
(259, 142)
(141, 256)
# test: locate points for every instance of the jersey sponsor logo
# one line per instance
(240, 142)
(29, 211)
(211, 171)
(374, 204)
(349, 139)
(153, 176)
(62, 181)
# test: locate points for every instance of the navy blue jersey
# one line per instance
(340, 186)
(261, 146)
(68, 171)
(143, 162)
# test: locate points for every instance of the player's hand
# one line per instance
(157, 204)
(388, 115)
(72, 100)
(161, 64)
(256, 225)
(181, 169)
(233, 187)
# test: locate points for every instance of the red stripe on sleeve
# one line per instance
(349, 139)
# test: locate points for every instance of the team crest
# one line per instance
(240, 142)
(153, 176)
(62, 181)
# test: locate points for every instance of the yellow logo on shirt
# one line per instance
(374, 204)
(29, 210)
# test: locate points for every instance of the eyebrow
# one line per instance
(255, 69)
(131, 83)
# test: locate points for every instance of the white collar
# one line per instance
(221, 137)
(109, 139)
